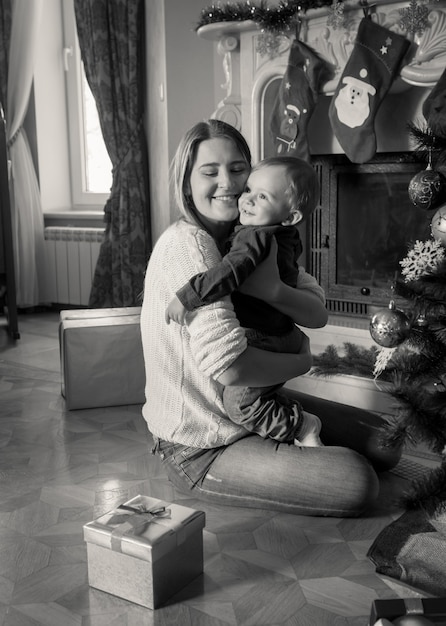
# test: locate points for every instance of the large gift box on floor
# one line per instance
(145, 550)
(101, 357)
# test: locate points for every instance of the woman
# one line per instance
(187, 366)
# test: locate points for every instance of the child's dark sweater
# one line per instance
(248, 246)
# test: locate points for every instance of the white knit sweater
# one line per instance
(183, 400)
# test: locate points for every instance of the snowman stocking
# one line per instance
(366, 79)
(305, 74)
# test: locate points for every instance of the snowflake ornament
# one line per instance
(336, 19)
(414, 18)
(423, 257)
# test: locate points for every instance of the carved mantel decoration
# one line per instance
(248, 69)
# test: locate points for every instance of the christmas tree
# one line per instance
(412, 336)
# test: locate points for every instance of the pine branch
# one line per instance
(426, 140)
(394, 433)
(431, 285)
(422, 413)
(429, 492)
(421, 357)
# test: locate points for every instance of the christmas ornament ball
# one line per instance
(389, 327)
(426, 188)
(438, 225)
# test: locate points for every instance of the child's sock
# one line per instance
(309, 432)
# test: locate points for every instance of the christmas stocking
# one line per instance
(434, 107)
(306, 72)
(366, 79)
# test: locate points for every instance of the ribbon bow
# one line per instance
(136, 519)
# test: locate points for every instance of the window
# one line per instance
(91, 168)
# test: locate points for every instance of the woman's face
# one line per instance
(217, 179)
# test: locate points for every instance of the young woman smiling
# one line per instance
(187, 366)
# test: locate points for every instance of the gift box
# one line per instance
(145, 550)
(101, 357)
(433, 609)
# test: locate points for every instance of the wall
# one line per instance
(180, 91)
(156, 116)
(50, 111)
(190, 69)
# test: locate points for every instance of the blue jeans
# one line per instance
(262, 473)
(262, 410)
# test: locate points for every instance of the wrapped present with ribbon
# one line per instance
(145, 550)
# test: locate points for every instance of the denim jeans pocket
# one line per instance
(188, 464)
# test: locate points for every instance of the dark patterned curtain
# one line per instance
(111, 39)
(5, 35)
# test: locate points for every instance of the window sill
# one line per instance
(81, 218)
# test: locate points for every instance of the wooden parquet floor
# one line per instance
(60, 469)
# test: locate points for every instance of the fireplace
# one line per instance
(354, 242)
(366, 221)
(362, 229)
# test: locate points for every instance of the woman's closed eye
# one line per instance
(236, 170)
(239, 169)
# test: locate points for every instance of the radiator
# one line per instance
(70, 260)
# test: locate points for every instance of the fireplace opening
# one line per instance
(363, 229)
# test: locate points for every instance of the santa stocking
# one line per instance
(366, 79)
(306, 72)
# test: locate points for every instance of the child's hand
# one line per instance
(175, 311)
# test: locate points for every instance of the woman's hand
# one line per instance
(302, 304)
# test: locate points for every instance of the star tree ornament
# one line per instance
(389, 327)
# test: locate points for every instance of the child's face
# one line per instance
(264, 201)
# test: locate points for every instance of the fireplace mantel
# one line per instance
(248, 73)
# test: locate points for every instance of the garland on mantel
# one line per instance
(351, 360)
(285, 16)
(277, 19)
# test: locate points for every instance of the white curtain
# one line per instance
(27, 216)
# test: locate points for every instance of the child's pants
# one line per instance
(262, 410)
